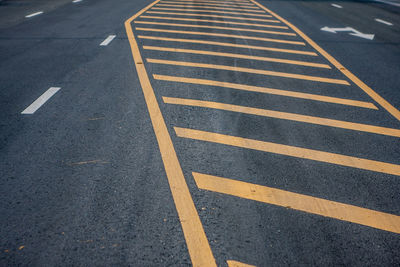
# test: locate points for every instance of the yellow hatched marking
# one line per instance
(309, 204)
(218, 2)
(228, 44)
(213, 16)
(375, 96)
(266, 90)
(285, 116)
(291, 151)
(210, 4)
(214, 27)
(196, 240)
(213, 7)
(248, 70)
(249, 57)
(232, 263)
(211, 11)
(216, 21)
(222, 35)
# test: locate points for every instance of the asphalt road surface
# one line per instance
(204, 133)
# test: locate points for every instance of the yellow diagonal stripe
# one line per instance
(211, 11)
(309, 204)
(213, 16)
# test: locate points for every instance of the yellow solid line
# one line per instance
(291, 151)
(248, 70)
(228, 44)
(266, 90)
(223, 35)
(214, 7)
(309, 204)
(232, 263)
(285, 116)
(216, 21)
(196, 240)
(213, 27)
(213, 16)
(249, 57)
(210, 4)
(375, 96)
(211, 11)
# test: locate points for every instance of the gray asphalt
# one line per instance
(82, 179)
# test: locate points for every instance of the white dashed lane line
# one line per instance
(34, 14)
(41, 100)
(337, 6)
(384, 22)
(108, 40)
(76, 1)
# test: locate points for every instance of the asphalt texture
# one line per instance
(83, 182)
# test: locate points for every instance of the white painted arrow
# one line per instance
(352, 31)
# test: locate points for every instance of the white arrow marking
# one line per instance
(352, 31)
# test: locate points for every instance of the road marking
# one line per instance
(196, 240)
(266, 90)
(337, 6)
(108, 40)
(213, 7)
(218, 2)
(232, 263)
(76, 1)
(216, 21)
(210, 4)
(291, 151)
(228, 44)
(388, 2)
(384, 22)
(213, 16)
(285, 116)
(249, 57)
(305, 203)
(214, 27)
(41, 100)
(223, 35)
(352, 31)
(376, 97)
(211, 11)
(248, 70)
(34, 14)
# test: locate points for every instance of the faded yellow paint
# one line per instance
(248, 70)
(213, 27)
(217, 21)
(309, 204)
(242, 56)
(291, 151)
(232, 263)
(266, 90)
(375, 96)
(222, 35)
(285, 116)
(196, 240)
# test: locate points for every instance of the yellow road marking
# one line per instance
(218, 2)
(228, 44)
(285, 116)
(213, 16)
(213, 7)
(248, 70)
(212, 53)
(265, 90)
(196, 240)
(309, 204)
(232, 263)
(211, 11)
(291, 151)
(210, 4)
(375, 96)
(223, 35)
(216, 21)
(213, 27)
